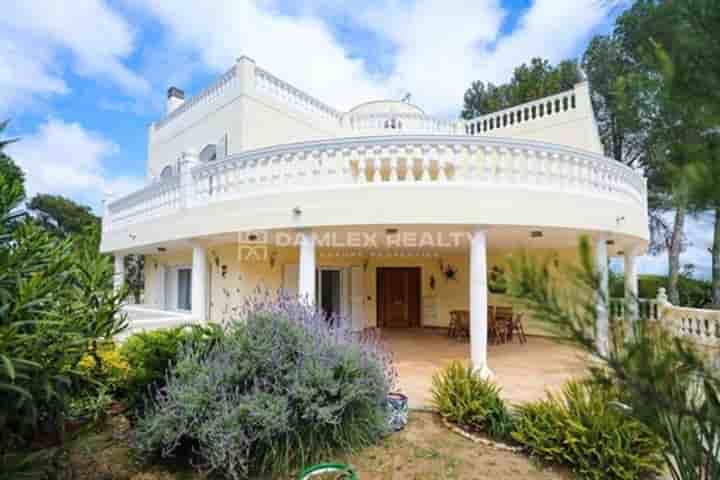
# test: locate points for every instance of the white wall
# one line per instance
(232, 279)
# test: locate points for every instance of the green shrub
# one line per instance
(585, 429)
(149, 354)
(281, 389)
(462, 396)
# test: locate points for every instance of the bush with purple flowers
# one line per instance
(282, 389)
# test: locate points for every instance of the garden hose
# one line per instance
(343, 472)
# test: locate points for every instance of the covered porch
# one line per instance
(523, 371)
(404, 280)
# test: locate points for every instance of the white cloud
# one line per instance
(301, 49)
(35, 35)
(25, 71)
(445, 45)
(439, 46)
(66, 159)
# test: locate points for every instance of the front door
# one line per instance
(398, 294)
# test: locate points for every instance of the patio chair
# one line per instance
(452, 325)
(462, 325)
(517, 326)
(497, 333)
(503, 322)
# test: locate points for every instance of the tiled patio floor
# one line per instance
(523, 371)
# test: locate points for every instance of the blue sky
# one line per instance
(82, 80)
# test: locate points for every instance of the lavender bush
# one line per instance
(282, 389)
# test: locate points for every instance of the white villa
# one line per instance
(381, 213)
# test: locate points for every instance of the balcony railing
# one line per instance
(407, 159)
(527, 112)
(398, 123)
(697, 325)
(257, 81)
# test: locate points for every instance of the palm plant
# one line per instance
(5, 142)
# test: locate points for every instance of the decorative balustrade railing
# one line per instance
(647, 308)
(700, 326)
(379, 123)
(257, 80)
(209, 95)
(156, 199)
(520, 114)
(420, 159)
(286, 93)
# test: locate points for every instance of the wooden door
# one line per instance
(398, 294)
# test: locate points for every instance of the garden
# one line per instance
(277, 388)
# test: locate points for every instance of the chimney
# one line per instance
(175, 98)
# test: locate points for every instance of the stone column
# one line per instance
(631, 284)
(602, 333)
(306, 275)
(199, 285)
(119, 276)
(478, 302)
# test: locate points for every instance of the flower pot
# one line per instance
(398, 407)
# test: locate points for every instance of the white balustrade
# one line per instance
(207, 96)
(282, 91)
(648, 308)
(521, 114)
(401, 123)
(261, 82)
(700, 326)
(159, 198)
(376, 160)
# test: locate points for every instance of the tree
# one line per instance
(11, 176)
(669, 41)
(692, 74)
(68, 217)
(57, 303)
(529, 82)
(704, 175)
(665, 382)
(622, 128)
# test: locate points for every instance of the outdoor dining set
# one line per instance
(503, 325)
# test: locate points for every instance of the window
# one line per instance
(393, 124)
(184, 298)
(208, 154)
(166, 172)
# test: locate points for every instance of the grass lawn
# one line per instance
(426, 449)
